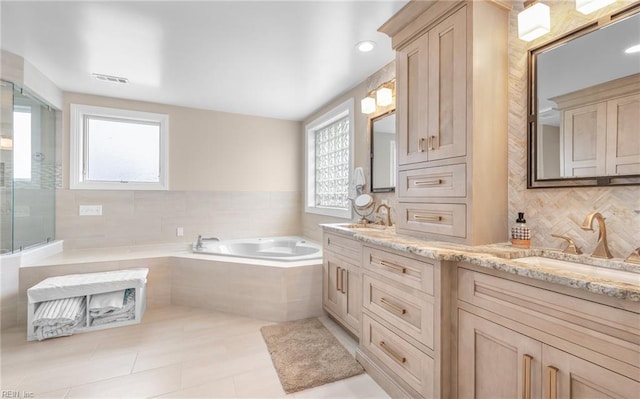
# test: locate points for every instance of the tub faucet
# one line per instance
(201, 239)
(602, 249)
(388, 222)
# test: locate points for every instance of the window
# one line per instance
(115, 149)
(329, 161)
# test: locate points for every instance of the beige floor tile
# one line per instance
(223, 388)
(69, 374)
(361, 386)
(262, 383)
(59, 394)
(137, 385)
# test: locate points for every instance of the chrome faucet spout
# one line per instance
(602, 249)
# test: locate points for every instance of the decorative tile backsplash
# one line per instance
(561, 210)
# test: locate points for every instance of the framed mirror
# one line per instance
(584, 106)
(382, 133)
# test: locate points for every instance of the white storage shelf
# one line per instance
(87, 285)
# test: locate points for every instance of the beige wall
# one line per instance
(230, 176)
(310, 221)
(561, 210)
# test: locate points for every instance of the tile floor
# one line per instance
(176, 352)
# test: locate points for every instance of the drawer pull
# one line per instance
(392, 353)
(338, 275)
(426, 218)
(392, 306)
(552, 382)
(421, 144)
(526, 376)
(342, 286)
(400, 269)
(434, 182)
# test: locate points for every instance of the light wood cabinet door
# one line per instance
(411, 110)
(447, 96)
(432, 93)
(331, 282)
(570, 377)
(352, 296)
(495, 362)
(342, 290)
(623, 135)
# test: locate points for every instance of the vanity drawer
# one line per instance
(343, 246)
(440, 181)
(443, 219)
(407, 309)
(410, 364)
(414, 273)
(596, 327)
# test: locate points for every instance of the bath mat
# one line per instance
(306, 355)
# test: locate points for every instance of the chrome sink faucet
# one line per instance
(601, 250)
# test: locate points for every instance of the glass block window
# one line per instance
(332, 165)
(115, 149)
(329, 161)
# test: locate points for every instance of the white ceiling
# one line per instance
(277, 59)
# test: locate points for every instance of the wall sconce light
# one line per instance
(534, 21)
(384, 97)
(589, 6)
(368, 105)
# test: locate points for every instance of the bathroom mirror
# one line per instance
(584, 106)
(382, 132)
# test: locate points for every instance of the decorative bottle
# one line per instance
(520, 233)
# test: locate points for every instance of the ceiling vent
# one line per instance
(109, 78)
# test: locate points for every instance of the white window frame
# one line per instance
(77, 153)
(339, 112)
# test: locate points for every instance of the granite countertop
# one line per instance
(504, 257)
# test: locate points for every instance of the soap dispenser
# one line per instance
(520, 233)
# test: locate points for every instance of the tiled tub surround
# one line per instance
(152, 217)
(276, 291)
(503, 257)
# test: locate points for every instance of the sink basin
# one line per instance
(579, 268)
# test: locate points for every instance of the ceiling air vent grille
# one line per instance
(109, 78)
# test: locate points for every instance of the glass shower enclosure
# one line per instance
(27, 170)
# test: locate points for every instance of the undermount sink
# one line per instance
(579, 268)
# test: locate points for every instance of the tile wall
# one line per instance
(562, 210)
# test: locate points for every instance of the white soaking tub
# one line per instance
(289, 248)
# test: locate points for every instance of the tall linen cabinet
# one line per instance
(452, 72)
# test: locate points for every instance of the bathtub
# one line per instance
(288, 249)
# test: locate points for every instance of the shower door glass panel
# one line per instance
(33, 171)
(6, 162)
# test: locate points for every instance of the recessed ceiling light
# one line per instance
(109, 78)
(365, 46)
(633, 49)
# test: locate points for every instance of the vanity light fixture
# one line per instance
(589, 6)
(382, 96)
(633, 49)
(534, 21)
(365, 46)
(109, 78)
(368, 105)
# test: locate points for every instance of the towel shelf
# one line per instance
(86, 285)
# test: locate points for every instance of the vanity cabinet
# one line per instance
(451, 72)
(519, 340)
(402, 345)
(342, 280)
